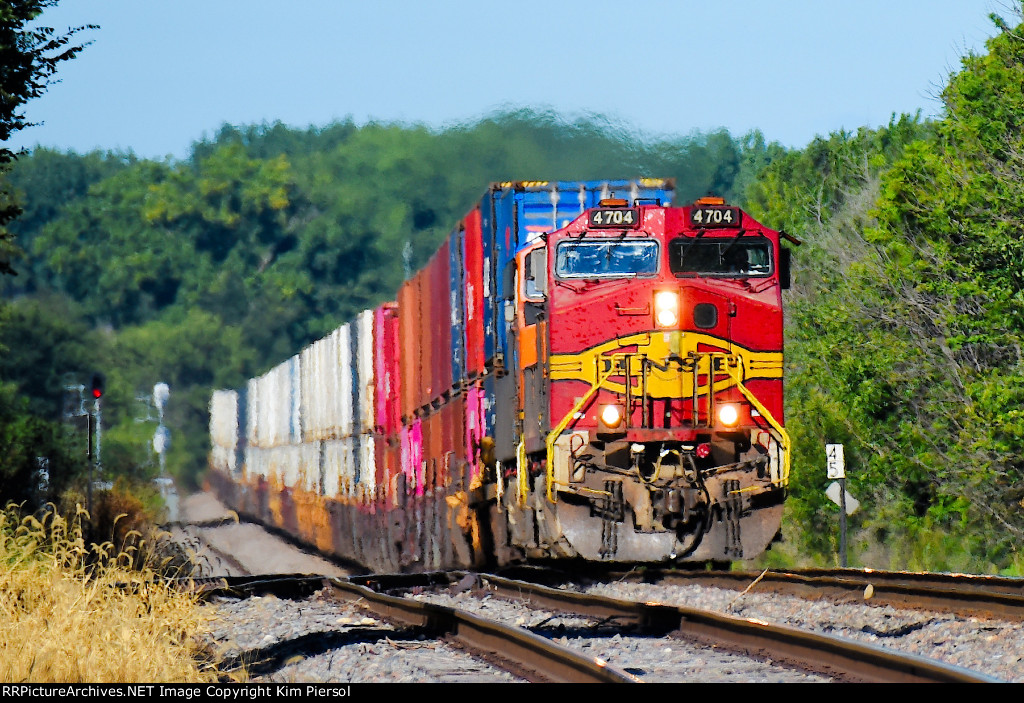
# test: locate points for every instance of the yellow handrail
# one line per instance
(549, 442)
(734, 365)
(775, 424)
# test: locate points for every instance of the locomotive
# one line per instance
(582, 370)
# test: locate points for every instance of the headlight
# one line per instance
(611, 416)
(666, 308)
(728, 415)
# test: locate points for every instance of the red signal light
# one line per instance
(97, 385)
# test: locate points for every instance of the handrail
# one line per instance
(549, 442)
(734, 366)
(783, 438)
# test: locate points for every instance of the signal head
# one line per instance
(97, 385)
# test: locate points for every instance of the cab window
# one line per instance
(742, 256)
(600, 259)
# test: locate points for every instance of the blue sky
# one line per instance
(161, 74)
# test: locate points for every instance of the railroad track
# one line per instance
(538, 658)
(524, 654)
(836, 657)
(963, 594)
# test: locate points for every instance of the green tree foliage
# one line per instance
(904, 330)
(193, 352)
(36, 458)
(29, 58)
(42, 184)
(39, 341)
(949, 221)
(844, 355)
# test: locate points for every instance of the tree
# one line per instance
(29, 57)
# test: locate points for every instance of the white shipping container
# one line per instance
(364, 362)
(285, 465)
(332, 468)
(367, 468)
(282, 405)
(224, 419)
(339, 468)
(295, 410)
(348, 468)
(309, 467)
(252, 396)
(307, 372)
(256, 464)
(341, 401)
(267, 411)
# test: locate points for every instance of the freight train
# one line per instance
(582, 370)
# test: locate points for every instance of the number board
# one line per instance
(835, 461)
(618, 217)
(708, 217)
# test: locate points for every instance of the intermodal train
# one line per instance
(583, 370)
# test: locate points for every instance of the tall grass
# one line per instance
(75, 612)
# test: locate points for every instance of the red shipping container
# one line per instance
(473, 314)
(424, 389)
(393, 467)
(408, 333)
(452, 443)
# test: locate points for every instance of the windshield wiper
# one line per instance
(732, 244)
(689, 245)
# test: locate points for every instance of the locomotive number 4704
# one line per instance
(619, 217)
(715, 217)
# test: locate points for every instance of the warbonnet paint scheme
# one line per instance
(582, 370)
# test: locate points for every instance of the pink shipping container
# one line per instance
(473, 257)
(475, 428)
(387, 374)
(412, 457)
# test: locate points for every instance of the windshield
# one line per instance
(748, 256)
(592, 259)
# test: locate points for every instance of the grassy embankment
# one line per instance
(77, 612)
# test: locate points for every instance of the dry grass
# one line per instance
(72, 612)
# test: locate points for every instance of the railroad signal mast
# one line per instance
(97, 386)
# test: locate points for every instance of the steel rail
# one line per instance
(529, 652)
(815, 651)
(543, 660)
(998, 597)
(520, 651)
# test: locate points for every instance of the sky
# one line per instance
(162, 74)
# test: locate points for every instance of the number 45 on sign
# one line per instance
(836, 464)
